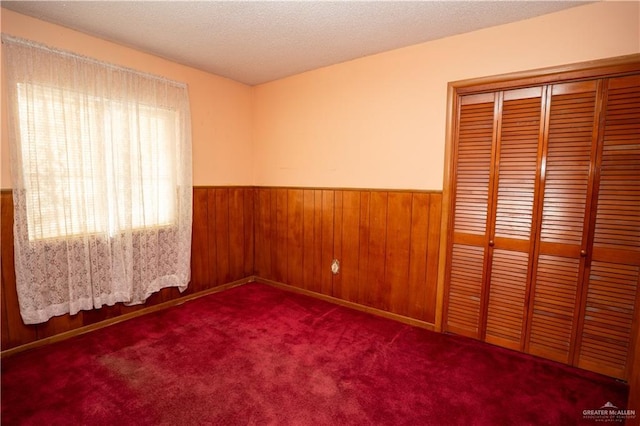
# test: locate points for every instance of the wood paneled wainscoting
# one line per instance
(222, 253)
(386, 243)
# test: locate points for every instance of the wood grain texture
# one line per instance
(398, 250)
(517, 150)
(612, 280)
(387, 243)
(220, 198)
(327, 223)
(200, 240)
(279, 207)
(222, 252)
(349, 246)
(365, 236)
(211, 236)
(420, 220)
(295, 208)
(433, 259)
(337, 284)
(249, 195)
(263, 239)
(551, 197)
(308, 240)
(378, 289)
(236, 232)
(289, 236)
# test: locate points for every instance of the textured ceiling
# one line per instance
(256, 42)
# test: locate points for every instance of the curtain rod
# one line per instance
(17, 40)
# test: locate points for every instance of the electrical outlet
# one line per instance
(335, 266)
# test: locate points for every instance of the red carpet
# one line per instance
(258, 355)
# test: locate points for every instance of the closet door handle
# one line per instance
(491, 243)
(583, 253)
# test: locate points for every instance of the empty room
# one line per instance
(320, 213)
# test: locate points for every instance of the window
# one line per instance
(101, 174)
(68, 161)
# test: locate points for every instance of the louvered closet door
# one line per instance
(565, 203)
(466, 261)
(519, 134)
(614, 273)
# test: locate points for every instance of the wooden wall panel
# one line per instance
(236, 219)
(249, 231)
(417, 256)
(263, 239)
(378, 289)
(61, 324)
(433, 257)
(211, 236)
(349, 254)
(295, 208)
(279, 213)
(222, 252)
(365, 236)
(387, 243)
(200, 241)
(309, 274)
(316, 285)
(338, 212)
(398, 250)
(237, 203)
(219, 198)
(326, 276)
(107, 312)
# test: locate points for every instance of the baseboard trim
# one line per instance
(111, 321)
(352, 305)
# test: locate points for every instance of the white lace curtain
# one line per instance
(101, 171)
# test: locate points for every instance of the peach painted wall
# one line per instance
(379, 121)
(220, 108)
(375, 122)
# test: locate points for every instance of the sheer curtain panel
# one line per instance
(101, 171)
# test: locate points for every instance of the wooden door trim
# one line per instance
(576, 71)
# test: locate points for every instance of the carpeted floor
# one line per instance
(256, 355)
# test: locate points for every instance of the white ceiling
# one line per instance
(259, 41)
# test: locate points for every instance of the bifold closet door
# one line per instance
(473, 148)
(566, 177)
(497, 154)
(519, 136)
(606, 339)
(543, 251)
